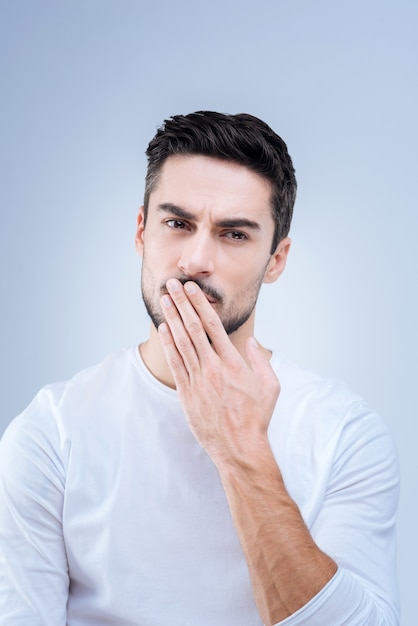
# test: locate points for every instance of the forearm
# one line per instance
(228, 402)
(287, 568)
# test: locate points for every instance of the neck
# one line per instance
(153, 356)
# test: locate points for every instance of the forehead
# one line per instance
(199, 182)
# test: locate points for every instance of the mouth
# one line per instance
(210, 294)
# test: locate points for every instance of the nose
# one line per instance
(197, 258)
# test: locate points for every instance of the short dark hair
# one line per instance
(241, 138)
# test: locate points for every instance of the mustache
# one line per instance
(208, 290)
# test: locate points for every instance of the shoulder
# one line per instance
(326, 420)
(47, 420)
(326, 438)
(310, 395)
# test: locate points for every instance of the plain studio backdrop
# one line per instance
(84, 85)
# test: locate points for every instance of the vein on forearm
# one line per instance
(286, 566)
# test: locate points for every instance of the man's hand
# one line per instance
(228, 402)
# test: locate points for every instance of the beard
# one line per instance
(232, 316)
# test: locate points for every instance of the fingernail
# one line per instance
(166, 300)
(172, 284)
(190, 288)
(253, 342)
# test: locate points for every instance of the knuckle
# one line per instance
(173, 361)
(212, 323)
(183, 343)
(233, 365)
(212, 371)
(194, 327)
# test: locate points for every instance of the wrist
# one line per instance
(251, 464)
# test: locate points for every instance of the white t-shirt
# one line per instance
(112, 514)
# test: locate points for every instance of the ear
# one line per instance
(278, 260)
(139, 235)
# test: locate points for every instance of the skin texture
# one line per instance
(206, 252)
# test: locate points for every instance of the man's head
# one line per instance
(218, 204)
(241, 138)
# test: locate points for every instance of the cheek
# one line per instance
(249, 271)
(162, 250)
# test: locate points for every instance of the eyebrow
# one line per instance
(167, 207)
(232, 222)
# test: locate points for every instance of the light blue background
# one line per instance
(84, 85)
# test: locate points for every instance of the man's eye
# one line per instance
(237, 235)
(176, 224)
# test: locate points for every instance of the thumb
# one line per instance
(257, 357)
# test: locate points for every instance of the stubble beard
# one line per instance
(231, 319)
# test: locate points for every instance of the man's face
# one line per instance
(209, 221)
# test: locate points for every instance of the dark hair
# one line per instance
(241, 138)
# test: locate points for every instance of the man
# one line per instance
(201, 478)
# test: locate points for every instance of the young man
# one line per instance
(201, 478)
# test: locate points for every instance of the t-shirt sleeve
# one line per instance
(356, 527)
(33, 566)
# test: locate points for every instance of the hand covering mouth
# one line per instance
(211, 294)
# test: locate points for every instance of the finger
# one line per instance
(191, 319)
(180, 299)
(210, 320)
(179, 333)
(173, 357)
(260, 363)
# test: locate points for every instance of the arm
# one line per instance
(33, 566)
(287, 568)
(228, 403)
